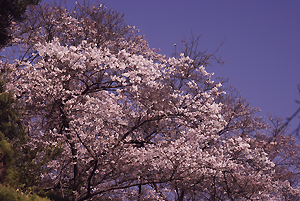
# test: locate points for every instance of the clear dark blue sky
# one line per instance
(262, 41)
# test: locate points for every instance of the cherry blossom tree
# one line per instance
(271, 135)
(129, 123)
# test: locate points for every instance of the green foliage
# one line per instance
(10, 194)
(10, 124)
(6, 158)
(19, 165)
(5, 148)
(12, 135)
(7, 131)
(12, 10)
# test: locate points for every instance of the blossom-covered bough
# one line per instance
(129, 123)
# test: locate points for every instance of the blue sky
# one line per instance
(262, 41)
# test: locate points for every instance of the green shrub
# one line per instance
(10, 194)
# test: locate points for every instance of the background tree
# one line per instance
(12, 10)
(125, 122)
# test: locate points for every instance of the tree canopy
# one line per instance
(109, 118)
